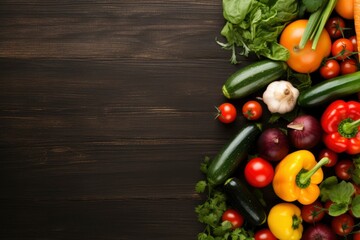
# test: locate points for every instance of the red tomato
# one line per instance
(235, 218)
(343, 169)
(330, 69)
(345, 8)
(259, 172)
(347, 66)
(313, 212)
(331, 155)
(334, 26)
(354, 42)
(264, 234)
(252, 110)
(343, 224)
(304, 60)
(226, 113)
(356, 235)
(357, 188)
(342, 48)
(327, 205)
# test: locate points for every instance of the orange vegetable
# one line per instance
(345, 8)
(305, 60)
(357, 24)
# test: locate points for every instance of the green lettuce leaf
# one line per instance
(254, 26)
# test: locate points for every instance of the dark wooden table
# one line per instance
(106, 111)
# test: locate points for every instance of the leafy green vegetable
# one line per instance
(210, 213)
(340, 193)
(255, 25)
(355, 206)
(336, 209)
(326, 186)
(313, 5)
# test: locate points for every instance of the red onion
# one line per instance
(273, 144)
(304, 132)
(319, 231)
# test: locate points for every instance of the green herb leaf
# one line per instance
(204, 236)
(200, 186)
(255, 25)
(224, 228)
(205, 164)
(342, 193)
(355, 175)
(337, 209)
(312, 5)
(326, 187)
(355, 206)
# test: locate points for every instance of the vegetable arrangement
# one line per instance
(292, 170)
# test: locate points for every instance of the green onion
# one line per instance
(316, 24)
(324, 17)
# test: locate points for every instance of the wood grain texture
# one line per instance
(106, 111)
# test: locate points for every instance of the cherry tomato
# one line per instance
(347, 66)
(252, 110)
(357, 188)
(345, 8)
(313, 212)
(334, 26)
(327, 205)
(235, 218)
(342, 48)
(226, 113)
(343, 169)
(304, 60)
(264, 234)
(354, 42)
(330, 69)
(259, 172)
(343, 224)
(331, 155)
(356, 235)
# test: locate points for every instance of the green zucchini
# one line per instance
(329, 90)
(244, 201)
(253, 77)
(232, 154)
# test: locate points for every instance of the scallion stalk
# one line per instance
(324, 17)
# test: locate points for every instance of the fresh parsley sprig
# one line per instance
(211, 211)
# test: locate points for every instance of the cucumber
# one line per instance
(241, 199)
(329, 90)
(232, 154)
(253, 77)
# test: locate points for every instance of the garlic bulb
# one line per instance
(280, 97)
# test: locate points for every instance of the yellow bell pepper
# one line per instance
(297, 177)
(284, 221)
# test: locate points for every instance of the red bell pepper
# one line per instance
(341, 124)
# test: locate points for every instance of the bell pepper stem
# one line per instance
(349, 127)
(304, 177)
(296, 222)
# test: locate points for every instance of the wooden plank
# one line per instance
(100, 220)
(106, 111)
(109, 30)
(84, 101)
(129, 169)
